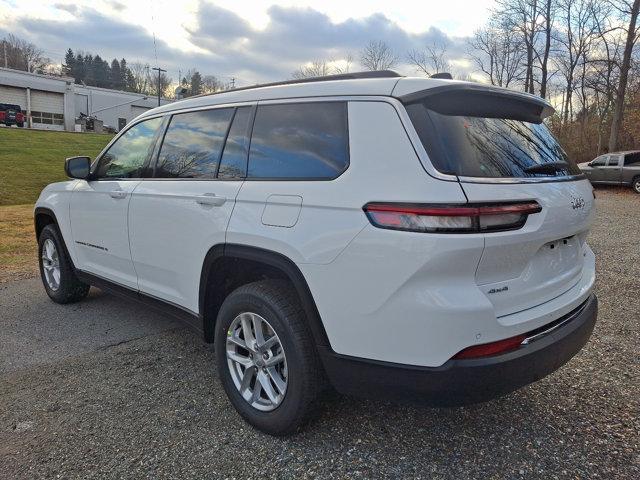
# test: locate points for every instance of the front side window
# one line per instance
(600, 161)
(613, 160)
(299, 140)
(127, 156)
(193, 144)
(478, 146)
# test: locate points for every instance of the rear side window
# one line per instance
(632, 159)
(299, 141)
(193, 144)
(476, 146)
(234, 158)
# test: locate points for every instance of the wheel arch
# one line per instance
(42, 217)
(250, 264)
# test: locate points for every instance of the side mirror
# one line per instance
(77, 167)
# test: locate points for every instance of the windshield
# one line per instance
(474, 146)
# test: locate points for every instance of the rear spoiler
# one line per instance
(472, 100)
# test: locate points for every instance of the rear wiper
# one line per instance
(550, 167)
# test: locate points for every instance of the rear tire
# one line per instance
(635, 184)
(274, 306)
(56, 270)
(20, 124)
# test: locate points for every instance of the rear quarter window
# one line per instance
(299, 141)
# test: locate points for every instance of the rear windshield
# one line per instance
(473, 146)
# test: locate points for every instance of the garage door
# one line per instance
(49, 102)
(13, 95)
(82, 103)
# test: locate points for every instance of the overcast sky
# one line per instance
(251, 40)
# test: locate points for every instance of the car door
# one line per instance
(630, 167)
(179, 214)
(611, 171)
(99, 206)
(595, 172)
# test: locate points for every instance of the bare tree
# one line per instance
(629, 11)
(22, 55)
(431, 59)
(317, 68)
(524, 17)
(576, 36)
(322, 68)
(547, 14)
(152, 84)
(139, 80)
(498, 51)
(377, 55)
(603, 75)
(212, 84)
(345, 66)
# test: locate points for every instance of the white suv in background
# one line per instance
(395, 237)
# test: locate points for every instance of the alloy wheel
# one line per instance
(257, 361)
(51, 264)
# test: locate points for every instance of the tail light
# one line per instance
(464, 218)
(493, 348)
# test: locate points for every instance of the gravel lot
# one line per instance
(107, 389)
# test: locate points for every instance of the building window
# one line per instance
(47, 118)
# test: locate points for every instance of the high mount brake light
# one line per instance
(464, 218)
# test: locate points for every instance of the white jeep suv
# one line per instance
(405, 238)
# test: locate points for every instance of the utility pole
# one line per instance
(233, 83)
(160, 70)
(4, 45)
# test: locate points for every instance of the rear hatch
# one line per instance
(496, 144)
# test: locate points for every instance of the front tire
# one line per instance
(266, 358)
(58, 277)
(635, 184)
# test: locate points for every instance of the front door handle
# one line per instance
(211, 199)
(117, 193)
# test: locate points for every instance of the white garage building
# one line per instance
(54, 103)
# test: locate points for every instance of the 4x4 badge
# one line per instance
(577, 202)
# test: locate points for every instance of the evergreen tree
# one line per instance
(125, 76)
(68, 68)
(89, 74)
(80, 68)
(196, 83)
(116, 75)
(100, 72)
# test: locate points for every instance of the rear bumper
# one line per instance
(460, 382)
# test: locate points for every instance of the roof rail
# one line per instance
(327, 78)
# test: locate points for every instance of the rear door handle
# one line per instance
(117, 193)
(211, 199)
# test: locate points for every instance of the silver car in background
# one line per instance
(619, 168)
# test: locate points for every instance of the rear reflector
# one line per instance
(464, 218)
(493, 348)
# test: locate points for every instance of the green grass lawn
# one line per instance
(30, 159)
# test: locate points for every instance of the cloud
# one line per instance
(228, 45)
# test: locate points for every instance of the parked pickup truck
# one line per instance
(619, 168)
(11, 115)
